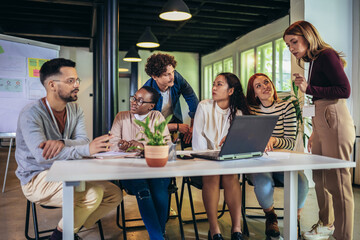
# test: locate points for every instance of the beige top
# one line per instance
(211, 124)
(124, 127)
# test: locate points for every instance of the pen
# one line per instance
(107, 147)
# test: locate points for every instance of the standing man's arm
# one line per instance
(192, 102)
(189, 95)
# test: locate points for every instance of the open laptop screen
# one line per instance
(247, 137)
(248, 134)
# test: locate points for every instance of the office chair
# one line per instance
(37, 232)
(246, 179)
(197, 183)
(173, 189)
(244, 207)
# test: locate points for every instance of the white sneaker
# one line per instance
(319, 232)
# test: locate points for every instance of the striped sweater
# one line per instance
(285, 130)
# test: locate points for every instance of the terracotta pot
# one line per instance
(156, 156)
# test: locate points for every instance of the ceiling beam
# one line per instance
(13, 19)
(46, 36)
(89, 3)
(48, 30)
(268, 4)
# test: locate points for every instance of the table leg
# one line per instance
(68, 209)
(290, 204)
(7, 164)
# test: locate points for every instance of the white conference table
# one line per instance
(73, 171)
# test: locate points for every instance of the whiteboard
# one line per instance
(20, 62)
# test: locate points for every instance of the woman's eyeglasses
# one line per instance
(139, 102)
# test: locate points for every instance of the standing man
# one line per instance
(53, 129)
(170, 84)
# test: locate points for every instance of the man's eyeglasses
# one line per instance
(139, 102)
(70, 81)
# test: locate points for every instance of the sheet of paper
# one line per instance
(112, 154)
(35, 89)
(12, 88)
(12, 66)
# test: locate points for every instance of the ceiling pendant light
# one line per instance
(148, 39)
(132, 55)
(175, 10)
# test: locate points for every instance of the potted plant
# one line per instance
(156, 148)
(302, 122)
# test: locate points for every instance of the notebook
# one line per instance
(247, 137)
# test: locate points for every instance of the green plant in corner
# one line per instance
(296, 101)
(154, 138)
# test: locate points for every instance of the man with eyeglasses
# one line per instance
(171, 85)
(53, 129)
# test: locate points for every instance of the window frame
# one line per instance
(255, 49)
(204, 82)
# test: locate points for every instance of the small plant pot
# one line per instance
(156, 156)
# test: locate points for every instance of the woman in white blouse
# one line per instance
(212, 121)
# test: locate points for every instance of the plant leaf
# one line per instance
(287, 98)
(155, 138)
(295, 88)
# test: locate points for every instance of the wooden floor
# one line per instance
(13, 205)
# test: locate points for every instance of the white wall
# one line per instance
(84, 68)
(356, 67)
(355, 81)
(337, 22)
(187, 66)
(334, 21)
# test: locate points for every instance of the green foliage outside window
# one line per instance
(264, 59)
(273, 61)
(282, 78)
(228, 65)
(247, 67)
(210, 73)
(218, 68)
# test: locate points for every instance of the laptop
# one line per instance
(247, 137)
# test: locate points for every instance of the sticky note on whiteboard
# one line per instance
(36, 73)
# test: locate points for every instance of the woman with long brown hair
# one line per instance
(211, 123)
(333, 128)
(263, 100)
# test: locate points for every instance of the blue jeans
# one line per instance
(264, 187)
(152, 196)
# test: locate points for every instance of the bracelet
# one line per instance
(177, 129)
